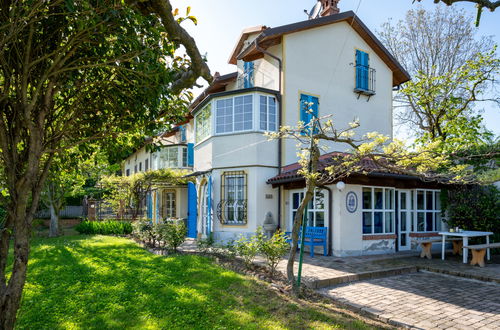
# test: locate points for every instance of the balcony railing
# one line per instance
(365, 80)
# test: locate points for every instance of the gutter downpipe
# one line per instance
(280, 120)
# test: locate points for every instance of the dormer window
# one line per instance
(182, 132)
(365, 76)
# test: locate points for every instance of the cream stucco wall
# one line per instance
(138, 157)
(320, 62)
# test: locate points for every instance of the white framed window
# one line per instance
(170, 157)
(378, 210)
(428, 210)
(234, 114)
(203, 122)
(267, 112)
(168, 207)
(317, 214)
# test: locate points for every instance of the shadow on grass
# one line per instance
(106, 282)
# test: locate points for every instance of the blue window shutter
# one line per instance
(308, 102)
(190, 150)
(192, 211)
(248, 68)
(183, 132)
(362, 65)
(209, 205)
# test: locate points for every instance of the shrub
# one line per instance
(143, 230)
(273, 249)
(473, 208)
(247, 248)
(173, 234)
(104, 227)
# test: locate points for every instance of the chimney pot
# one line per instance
(330, 7)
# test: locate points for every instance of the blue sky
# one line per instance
(220, 23)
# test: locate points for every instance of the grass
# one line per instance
(100, 282)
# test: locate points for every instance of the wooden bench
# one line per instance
(315, 236)
(426, 245)
(479, 251)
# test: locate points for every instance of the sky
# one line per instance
(220, 23)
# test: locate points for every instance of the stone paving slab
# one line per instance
(424, 300)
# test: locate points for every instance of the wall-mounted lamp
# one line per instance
(340, 185)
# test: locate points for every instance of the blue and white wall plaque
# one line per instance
(351, 202)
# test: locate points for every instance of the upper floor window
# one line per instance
(267, 113)
(234, 114)
(378, 210)
(203, 123)
(170, 157)
(127, 172)
(309, 107)
(135, 168)
(146, 165)
(140, 166)
(365, 76)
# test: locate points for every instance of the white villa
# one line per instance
(333, 62)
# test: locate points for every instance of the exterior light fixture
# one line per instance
(340, 185)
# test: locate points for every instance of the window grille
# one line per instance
(232, 208)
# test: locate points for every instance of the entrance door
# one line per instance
(404, 219)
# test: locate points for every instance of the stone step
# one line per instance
(317, 284)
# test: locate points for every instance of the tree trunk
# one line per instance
(54, 220)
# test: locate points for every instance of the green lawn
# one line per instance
(102, 282)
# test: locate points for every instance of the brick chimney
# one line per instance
(329, 7)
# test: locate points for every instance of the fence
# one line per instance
(68, 212)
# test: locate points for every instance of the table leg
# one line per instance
(488, 249)
(466, 251)
(442, 247)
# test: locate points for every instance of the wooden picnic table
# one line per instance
(465, 238)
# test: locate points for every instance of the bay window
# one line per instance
(378, 210)
(203, 123)
(170, 157)
(234, 114)
(267, 113)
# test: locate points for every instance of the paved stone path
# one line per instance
(425, 300)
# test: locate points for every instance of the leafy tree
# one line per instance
(452, 71)
(73, 72)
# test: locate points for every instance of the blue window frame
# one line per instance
(362, 70)
(309, 106)
(190, 154)
(248, 72)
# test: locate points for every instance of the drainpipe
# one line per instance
(330, 221)
(280, 120)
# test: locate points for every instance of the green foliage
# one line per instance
(171, 234)
(131, 189)
(104, 227)
(3, 216)
(105, 282)
(174, 234)
(205, 244)
(273, 249)
(247, 248)
(473, 208)
(143, 230)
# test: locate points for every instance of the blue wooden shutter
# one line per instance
(192, 211)
(308, 102)
(209, 205)
(190, 151)
(149, 206)
(182, 129)
(248, 68)
(362, 66)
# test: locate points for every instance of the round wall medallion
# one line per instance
(351, 202)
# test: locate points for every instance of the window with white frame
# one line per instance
(378, 210)
(170, 157)
(267, 113)
(316, 212)
(168, 209)
(203, 123)
(428, 210)
(234, 114)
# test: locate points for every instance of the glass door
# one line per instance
(405, 215)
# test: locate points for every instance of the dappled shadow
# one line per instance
(104, 282)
